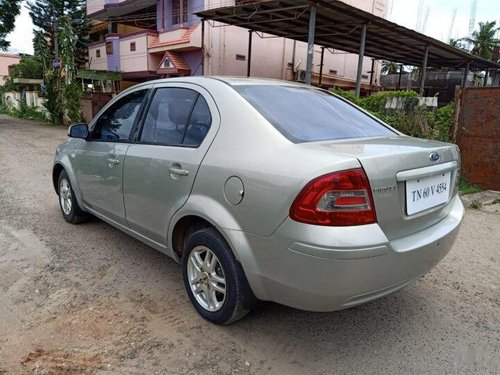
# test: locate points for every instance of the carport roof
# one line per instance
(339, 25)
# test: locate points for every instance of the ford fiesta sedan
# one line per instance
(264, 190)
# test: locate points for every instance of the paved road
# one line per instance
(89, 299)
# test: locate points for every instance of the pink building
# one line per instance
(7, 60)
(148, 39)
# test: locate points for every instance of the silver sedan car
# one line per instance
(264, 190)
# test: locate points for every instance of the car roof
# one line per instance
(231, 81)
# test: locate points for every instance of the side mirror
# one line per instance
(78, 131)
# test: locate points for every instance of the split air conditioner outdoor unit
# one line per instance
(300, 75)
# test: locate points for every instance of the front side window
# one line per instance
(176, 117)
(117, 121)
(305, 114)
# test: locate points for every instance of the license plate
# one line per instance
(427, 192)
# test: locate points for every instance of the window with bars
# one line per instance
(179, 11)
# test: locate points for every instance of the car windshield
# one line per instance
(305, 114)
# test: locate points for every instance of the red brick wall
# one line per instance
(478, 135)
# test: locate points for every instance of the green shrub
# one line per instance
(27, 112)
(443, 119)
(465, 187)
(72, 96)
(412, 119)
(476, 204)
(349, 95)
(377, 101)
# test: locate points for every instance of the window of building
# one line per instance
(97, 53)
(240, 57)
(179, 11)
(333, 71)
(109, 48)
(132, 46)
(364, 76)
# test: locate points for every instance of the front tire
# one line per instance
(214, 280)
(70, 209)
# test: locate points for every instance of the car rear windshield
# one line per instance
(306, 114)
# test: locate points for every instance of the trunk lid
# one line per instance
(412, 187)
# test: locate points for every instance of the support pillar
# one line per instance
(424, 71)
(485, 82)
(400, 75)
(249, 61)
(466, 75)
(321, 65)
(202, 46)
(310, 45)
(372, 70)
(360, 60)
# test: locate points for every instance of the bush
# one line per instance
(349, 95)
(24, 111)
(413, 119)
(443, 119)
(72, 96)
(376, 102)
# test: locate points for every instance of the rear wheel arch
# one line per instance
(183, 228)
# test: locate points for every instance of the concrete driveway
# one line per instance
(90, 299)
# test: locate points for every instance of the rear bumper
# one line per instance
(324, 269)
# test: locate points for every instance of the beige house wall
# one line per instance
(98, 63)
(271, 57)
(6, 60)
(94, 6)
(133, 61)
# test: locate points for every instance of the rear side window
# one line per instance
(168, 115)
(308, 115)
(199, 123)
(176, 117)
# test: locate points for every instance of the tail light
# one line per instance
(336, 199)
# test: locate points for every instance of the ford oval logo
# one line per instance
(434, 156)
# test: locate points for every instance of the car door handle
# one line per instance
(178, 171)
(113, 162)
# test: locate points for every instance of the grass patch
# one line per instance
(465, 187)
(476, 204)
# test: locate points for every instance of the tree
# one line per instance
(28, 67)
(67, 40)
(41, 49)
(9, 10)
(458, 43)
(389, 67)
(46, 15)
(483, 40)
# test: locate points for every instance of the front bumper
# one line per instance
(332, 268)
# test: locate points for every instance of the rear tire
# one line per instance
(214, 280)
(70, 209)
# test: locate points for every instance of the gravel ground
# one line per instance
(89, 299)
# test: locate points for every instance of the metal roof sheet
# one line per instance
(338, 25)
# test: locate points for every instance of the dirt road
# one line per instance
(90, 299)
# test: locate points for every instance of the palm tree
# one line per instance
(389, 67)
(483, 40)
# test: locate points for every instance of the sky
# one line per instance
(403, 12)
